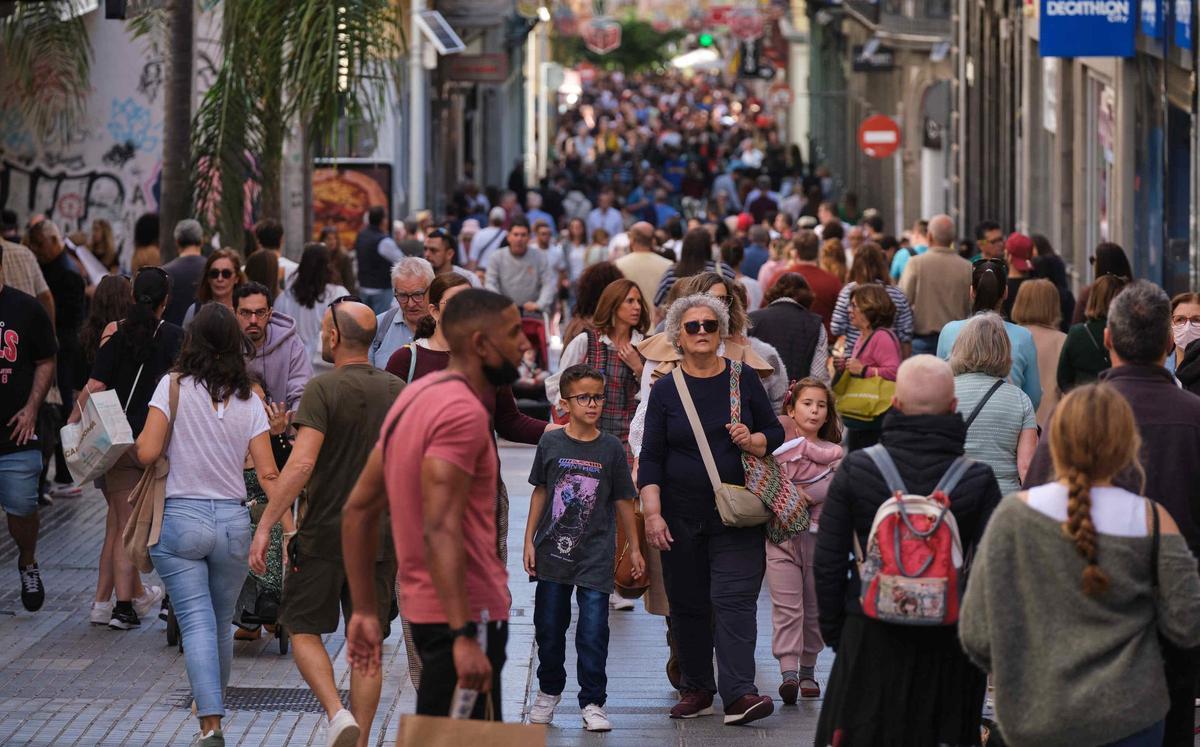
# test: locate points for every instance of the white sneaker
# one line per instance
(150, 599)
(542, 710)
(618, 602)
(343, 730)
(101, 613)
(595, 719)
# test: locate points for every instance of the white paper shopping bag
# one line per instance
(94, 444)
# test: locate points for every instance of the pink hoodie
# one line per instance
(810, 466)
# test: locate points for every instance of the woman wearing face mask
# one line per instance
(1185, 329)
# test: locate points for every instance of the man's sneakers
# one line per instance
(693, 703)
(542, 710)
(124, 618)
(343, 730)
(595, 719)
(618, 602)
(149, 601)
(65, 490)
(101, 613)
(33, 594)
(749, 707)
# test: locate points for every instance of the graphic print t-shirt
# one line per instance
(576, 536)
(26, 337)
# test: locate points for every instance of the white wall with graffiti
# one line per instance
(109, 167)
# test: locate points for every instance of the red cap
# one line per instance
(744, 222)
(1019, 248)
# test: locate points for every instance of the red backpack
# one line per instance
(911, 571)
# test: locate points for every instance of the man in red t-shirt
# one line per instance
(806, 250)
(435, 470)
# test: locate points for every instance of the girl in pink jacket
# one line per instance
(809, 462)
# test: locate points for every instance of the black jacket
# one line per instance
(792, 330)
(1168, 420)
(923, 448)
(1188, 370)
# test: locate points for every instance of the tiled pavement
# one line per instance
(65, 682)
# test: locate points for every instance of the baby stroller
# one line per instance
(258, 603)
(530, 391)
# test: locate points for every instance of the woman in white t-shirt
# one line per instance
(310, 292)
(204, 544)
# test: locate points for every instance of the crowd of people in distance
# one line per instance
(970, 480)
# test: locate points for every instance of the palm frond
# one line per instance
(46, 66)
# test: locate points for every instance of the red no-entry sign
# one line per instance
(879, 136)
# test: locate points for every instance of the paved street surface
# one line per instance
(65, 682)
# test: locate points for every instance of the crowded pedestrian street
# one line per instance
(576, 372)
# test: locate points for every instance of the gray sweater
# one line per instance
(1070, 669)
(523, 279)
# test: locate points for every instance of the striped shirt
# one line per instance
(21, 270)
(840, 325)
(992, 438)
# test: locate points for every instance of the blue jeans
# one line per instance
(201, 556)
(379, 300)
(925, 344)
(1151, 736)
(551, 618)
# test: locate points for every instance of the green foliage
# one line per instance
(642, 48)
(285, 61)
(45, 67)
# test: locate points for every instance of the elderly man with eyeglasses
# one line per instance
(411, 277)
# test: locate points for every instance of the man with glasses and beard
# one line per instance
(279, 359)
(434, 469)
(337, 425)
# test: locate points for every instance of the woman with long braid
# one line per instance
(1072, 586)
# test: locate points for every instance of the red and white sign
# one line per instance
(718, 15)
(879, 136)
(587, 72)
(746, 24)
(602, 35)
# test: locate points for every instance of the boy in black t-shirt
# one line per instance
(27, 363)
(579, 475)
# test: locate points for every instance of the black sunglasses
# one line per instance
(709, 325)
(333, 309)
(223, 274)
(985, 260)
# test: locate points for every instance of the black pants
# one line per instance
(862, 438)
(435, 646)
(1181, 667)
(713, 574)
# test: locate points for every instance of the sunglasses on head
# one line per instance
(438, 233)
(997, 262)
(333, 309)
(708, 325)
(223, 274)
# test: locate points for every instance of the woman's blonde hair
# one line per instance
(1103, 291)
(1093, 437)
(982, 347)
(833, 259)
(1037, 303)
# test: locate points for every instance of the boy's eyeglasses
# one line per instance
(333, 309)
(708, 325)
(587, 399)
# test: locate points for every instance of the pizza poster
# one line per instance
(343, 194)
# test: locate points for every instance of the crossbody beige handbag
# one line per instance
(737, 506)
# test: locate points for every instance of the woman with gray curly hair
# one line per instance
(713, 573)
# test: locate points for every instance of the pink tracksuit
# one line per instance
(797, 635)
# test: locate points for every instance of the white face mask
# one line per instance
(1185, 334)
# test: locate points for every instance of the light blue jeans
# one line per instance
(201, 556)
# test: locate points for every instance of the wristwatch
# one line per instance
(470, 630)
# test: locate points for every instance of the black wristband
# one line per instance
(470, 630)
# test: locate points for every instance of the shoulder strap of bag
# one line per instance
(689, 407)
(979, 406)
(138, 378)
(1155, 539)
(887, 468)
(412, 362)
(173, 399)
(735, 392)
(958, 469)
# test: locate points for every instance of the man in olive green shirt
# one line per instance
(337, 423)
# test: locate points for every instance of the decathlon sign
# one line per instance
(1087, 28)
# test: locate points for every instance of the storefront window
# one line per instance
(1101, 143)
